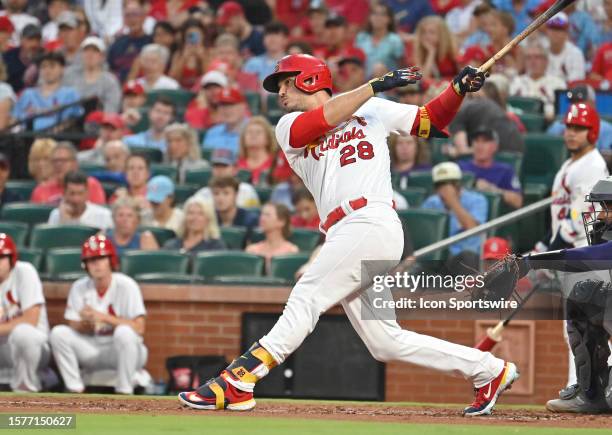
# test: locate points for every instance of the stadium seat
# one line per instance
(33, 256)
(264, 193)
(63, 263)
(22, 188)
(165, 278)
(198, 177)
(182, 192)
(244, 175)
(214, 264)
(90, 168)
(137, 262)
(436, 145)
(426, 227)
(305, 239)
(254, 102)
(27, 212)
(544, 155)
(110, 188)
(526, 104)
(512, 158)
(143, 122)
(533, 122)
(180, 97)
(285, 266)
(17, 230)
(45, 236)
(257, 281)
(206, 152)
(154, 155)
(234, 237)
(273, 109)
(169, 171)
(424, 180)
(414, 195)
(494, 201)
(162, 235)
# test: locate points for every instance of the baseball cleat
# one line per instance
(573, 399)
(216, 394)
(486, 396)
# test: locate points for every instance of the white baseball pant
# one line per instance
(26, 351)
(371, 233)
(124, 352)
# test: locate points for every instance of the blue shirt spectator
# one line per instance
(275, 41)
(133, 243)
(232, 109)
(160, 116)
(583, 30)
(409, 12)
(521, 16)
(146, 139)
(262, 66)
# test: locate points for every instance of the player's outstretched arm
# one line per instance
(342, 107)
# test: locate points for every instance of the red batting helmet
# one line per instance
(8, 248)
(99, 246)
(586, 116)
(312, 74)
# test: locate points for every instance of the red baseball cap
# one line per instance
(471, 54)
(495, 248)
(6, 25)
(227, 11)
(133, 87)
(352, 54)
(114, 120)
(230, 96)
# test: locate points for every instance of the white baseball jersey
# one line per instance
(352, 160)
(122, 299)
(94, 216)
(20, 291)
(572, 183)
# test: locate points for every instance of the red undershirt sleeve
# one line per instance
(438, 112)
(308, 127)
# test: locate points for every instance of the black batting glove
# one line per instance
(396, 79)
(468, 80)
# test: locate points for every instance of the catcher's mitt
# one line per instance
(500, 280)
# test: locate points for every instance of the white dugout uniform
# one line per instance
(26, 348)
(350, 162)
(120, 348)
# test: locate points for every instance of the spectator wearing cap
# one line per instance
(20, 61)
(225, 198)
(49, 95)
(105, 17)
(124, 51)
(473, 55)
(275, 41)
(257, 148)
(407, 18)
(191, 57)
(91, 78)
(493, 250)
(6, 195)
(291, 12)
(478, 36)
(6, 31)
(467, 209)
(233, 111)
(434, 48)
(354, 11)
(134, 98)
(336, 40)
(408, 153)
(228, 60)
(63, 161)
(199, 230)
(379, 42)
(183, 149)
(223, 163)
(351, 71)
(312, 28)
(565, 60)
(160, 193)
(536, 83)
(490, 175)
(161, 114)
(585, 94)
(111, 128)
(230, 16)
(71, 35)
(16, 11)
(153, 60)
(202, 111)
(75, 208)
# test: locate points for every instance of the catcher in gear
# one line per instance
(588, 306)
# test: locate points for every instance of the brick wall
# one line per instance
(205, 320)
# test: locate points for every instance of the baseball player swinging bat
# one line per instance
(557, 7)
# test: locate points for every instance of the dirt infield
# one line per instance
(287, 409)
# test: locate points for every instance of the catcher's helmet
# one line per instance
(586, 116)
(8, 248)
(598, 221)
(312, 74)
(99, 246)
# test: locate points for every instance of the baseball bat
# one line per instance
(494, 335)
(558, 6)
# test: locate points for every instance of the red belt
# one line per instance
(338, 213)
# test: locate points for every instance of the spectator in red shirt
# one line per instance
(351, 72)
(354, 11)
(227, 59)
(64, 160)
(337, 41)
(175, 11)
(257, 146)
(306, 214)
(434, 48)
(290, 12)
(602, 64)
(190, 60)
(312, 28)
(6, 30)
(201, 112)
(133, 99)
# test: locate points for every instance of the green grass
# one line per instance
(222, 425)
